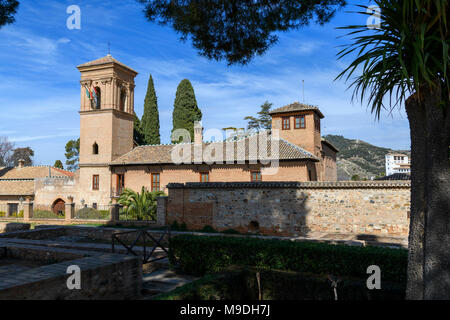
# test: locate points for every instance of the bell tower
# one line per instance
(106, 124)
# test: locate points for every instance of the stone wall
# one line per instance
(294, 209)
(103, 276)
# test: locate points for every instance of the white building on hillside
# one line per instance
(397, 163)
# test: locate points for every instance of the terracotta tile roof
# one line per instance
(32, 173)
(242, 150)
(297, 106)
(105, 60)
(17, 187)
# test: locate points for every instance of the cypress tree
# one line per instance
(186, 111)
(150, 118)
(138, 136)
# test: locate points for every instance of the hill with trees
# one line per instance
(359, 158)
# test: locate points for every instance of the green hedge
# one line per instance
(46, 214)
(241, 284)
(200, 255)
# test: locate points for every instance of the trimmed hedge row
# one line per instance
(241, 284)
(201, 255)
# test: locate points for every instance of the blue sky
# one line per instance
(39, 82)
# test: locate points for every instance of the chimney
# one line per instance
(198, 132)
(21, 163)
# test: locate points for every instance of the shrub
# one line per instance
(230, 231)
(2, 214)
(139, 206)
(91, 213)
(45, 214)
(208, 229)
(241, 284)
(200, 255)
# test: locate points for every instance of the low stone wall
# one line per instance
(293, 209)
(103, 276)
(11, 226)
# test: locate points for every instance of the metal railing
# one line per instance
(141, 248)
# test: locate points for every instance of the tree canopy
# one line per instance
(263, 121)
(72, 154)
(237, 30)
(58, 164)
(186, 111)
(8, 8)
(25, 154)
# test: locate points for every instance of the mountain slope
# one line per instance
(360, 158)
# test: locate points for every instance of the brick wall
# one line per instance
(294, 209)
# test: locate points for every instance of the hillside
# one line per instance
(360, 158)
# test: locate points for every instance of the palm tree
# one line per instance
(140, 206)
(406, 61)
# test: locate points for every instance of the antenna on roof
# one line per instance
(303, 85)
(109, 48)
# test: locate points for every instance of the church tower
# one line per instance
(106, 124)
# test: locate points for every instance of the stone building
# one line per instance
(109, 161)
(19, 183)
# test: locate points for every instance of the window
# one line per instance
(95, 182)
(300, 122)
(13, 209)
(98, 98)
(256, 176)
(120, 183)
(317, 124)
(204, 177)
(123, 99)
(94, 206)
(310, 175)
(95, 148)
(156, 182)
(285, 123)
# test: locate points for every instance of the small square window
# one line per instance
(300, 122)
(204, 177)
(256, 176)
